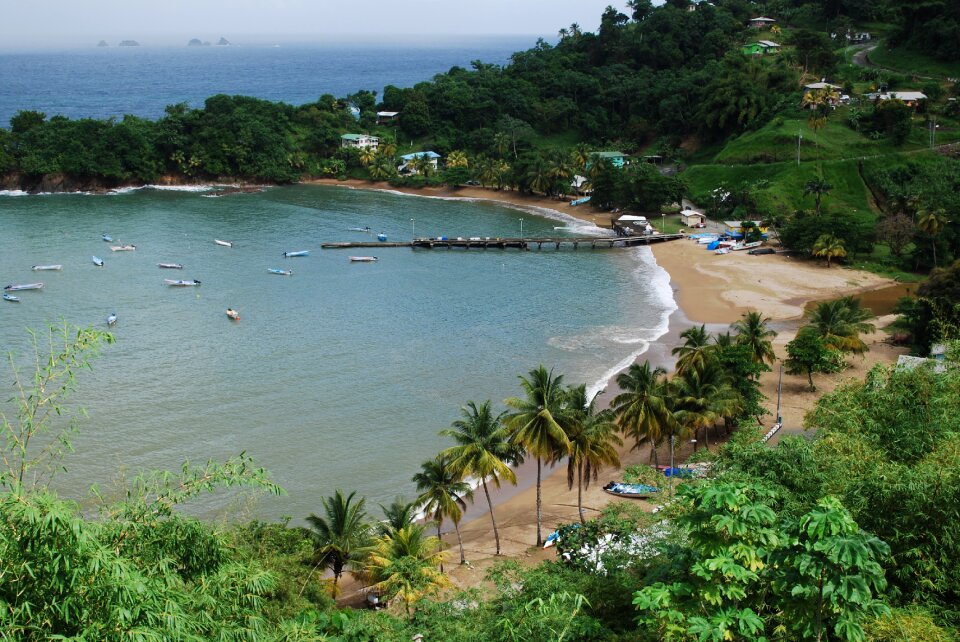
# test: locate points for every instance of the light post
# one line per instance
(413, 229)
(663, 223)
(799, 138)
(671, 464)
(521, 228)
(779, 388)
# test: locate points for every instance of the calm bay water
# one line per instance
(338, 376)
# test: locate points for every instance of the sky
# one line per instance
(45, 23)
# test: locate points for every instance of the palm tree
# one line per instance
(593, 442)
(581, 156)
(694, 350)
(932, 222)
(536, 424)
(341, 532)
(457, 159)
(538, 176)
(752, 330)
(483, 450)
(560, 167)
(819, 188)
(382, 167)
(367, 154)
(703, 396)
(501, 143)
(398, 514)
(830, 247)
(442, 493)
(840, 322)
(641, 409)
(404, 564)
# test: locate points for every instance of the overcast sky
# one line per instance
(31, 23)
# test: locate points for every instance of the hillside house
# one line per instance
(407, 166)
(911, 98)
(359, 141)
(617, 159)
(387, 117)
(760, 48)
(735, 228)
(761, 23)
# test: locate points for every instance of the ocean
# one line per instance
(142, 81)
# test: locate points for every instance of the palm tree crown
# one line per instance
(404, 564)
(694, 350)
(840, 322)
(341, 531)
(641, 409)
(442, 493)
(593, 442)
(752, 331)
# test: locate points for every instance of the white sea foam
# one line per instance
(13, 192)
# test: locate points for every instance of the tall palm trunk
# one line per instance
(440, 521)
(580, 494)
(539, 510)
(653, 453)
(496, 533)
(456, 526)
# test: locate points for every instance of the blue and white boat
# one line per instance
(634, 491)
(107, 238)
(381, 237)
(112, 318)
(11, 298)
(279, 271)
(297, 253)
(98, 261)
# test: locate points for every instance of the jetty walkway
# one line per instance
(594, 242)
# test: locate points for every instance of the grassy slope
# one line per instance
(911, 61)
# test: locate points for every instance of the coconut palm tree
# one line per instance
(442, 493)
(752, 330)
(932, 222)
(593, 442)
(819, 188)
(341, 532)
(367, 154)
(538, 177)
(457, 158)
(703, 396)
(840, 322)
(404, 564)
(694, 350)
(537, 424)
(382, 167)
(641, 409)
(580, 157)
(398, 514)
(483, 450)
(829, 247)
(501, 143)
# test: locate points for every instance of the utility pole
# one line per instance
(779, 389)
(799, 137)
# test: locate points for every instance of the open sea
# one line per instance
(339, 376)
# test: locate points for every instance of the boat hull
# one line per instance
(364, 259)
(183, 283)
(170, 266)
(279, 271)
(98, 261)
(291, 255)
(233, 314)
(11, 298)
(19, 287)
(46, 268)
(223, 243)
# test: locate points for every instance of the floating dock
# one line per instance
(593, 242)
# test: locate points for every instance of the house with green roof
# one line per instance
(617, 159)
(359, 141)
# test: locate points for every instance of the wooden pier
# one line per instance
(593, 242)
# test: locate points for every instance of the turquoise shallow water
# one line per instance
(338, 376)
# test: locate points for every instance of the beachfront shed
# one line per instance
(735, 228)
(690, 218)
(359, 141)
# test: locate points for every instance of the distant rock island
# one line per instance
(223, 42)
(129, 43)
(102, 43)
(196, 42)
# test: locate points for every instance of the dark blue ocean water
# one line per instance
(113, 81)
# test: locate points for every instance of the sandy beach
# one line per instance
(709, 289)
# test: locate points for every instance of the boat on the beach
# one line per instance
(297, 253)
(11, 298)
(107, 238)
(580, 201)
(44, 268)
(97, 261)
(364, 259)
(112, 318)
(123, 248)
(279, 271)
(551, 539)
(170, 266)
(707, 240)
(233, 314)
(223, 243)
(358, 229)
(746, 246)
(23, 286)
(181, 283)
(633, 491)
(722, 250)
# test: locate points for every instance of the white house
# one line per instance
(407, 168)
(761, 22)
(692, 218)
(387, 117)
(911, 98)
(820, 86)
(359, 141)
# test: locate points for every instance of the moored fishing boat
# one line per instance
(233, 314)
(381, 237)
(170, 266)
(11, 298)
(17, 287)
(97, 261)
(297, 253)
(181, 283)
(633, 491)
(358, 229)
(223, 243)
(107, 238)
(123, 248)
(112, 318)
(44, 268)
(364, 259)
(279, 271)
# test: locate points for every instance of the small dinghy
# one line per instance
(364, 259)
(233, 314)
(181, 283)
(112, 318)
(381, 237)
(11, 298)
(634, 491)
(23, 286)
(279, 271)
(358, 229)
(122, 248)
(107, 238)
(722, 250)
(170, 266)
(98, 261)
(45, 268)
(746, 246)
(223, 243)
(297, 253)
